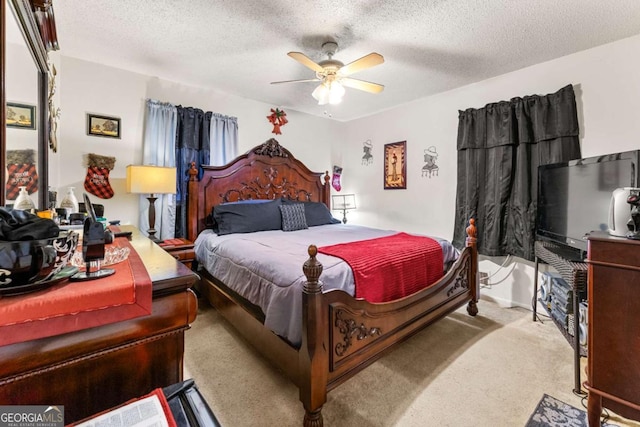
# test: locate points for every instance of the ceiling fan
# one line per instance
(334, 75)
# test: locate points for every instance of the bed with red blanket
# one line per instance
(393, 267)
(399, 283)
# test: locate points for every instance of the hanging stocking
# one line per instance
(335, 179)
(21, 171)
(97, 179)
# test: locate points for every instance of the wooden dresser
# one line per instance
(613, 358)
(94, 369)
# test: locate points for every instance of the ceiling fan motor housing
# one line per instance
(329, 48)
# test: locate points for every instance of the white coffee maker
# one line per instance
(620, 210)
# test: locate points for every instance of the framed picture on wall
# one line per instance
(103, 126)
(21, 115)
(395, 165)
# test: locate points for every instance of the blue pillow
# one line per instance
(316, 213)
(247, 217)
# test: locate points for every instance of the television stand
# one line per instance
(566, 253)
(575, 274)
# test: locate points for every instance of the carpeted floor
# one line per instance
(490, 370)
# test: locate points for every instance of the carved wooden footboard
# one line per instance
(340, 335)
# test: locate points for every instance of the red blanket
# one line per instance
(388, 268)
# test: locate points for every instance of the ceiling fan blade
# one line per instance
(363, 63)
(362, 85)
(296, 81)
(306, 61)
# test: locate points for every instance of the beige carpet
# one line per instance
(491, 370)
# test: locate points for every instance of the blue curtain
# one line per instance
(224, 139)
(159, 149)
(192, 145)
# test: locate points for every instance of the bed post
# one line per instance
(326, 189)
(313, 356)
(192, 203)
(474, 284)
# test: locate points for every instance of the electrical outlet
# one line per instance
(484, 278)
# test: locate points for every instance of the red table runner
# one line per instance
(72, 306)
(388, 268)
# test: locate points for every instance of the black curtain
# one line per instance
(500, 148)
(192, 145)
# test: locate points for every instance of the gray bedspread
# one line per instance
(266, 267)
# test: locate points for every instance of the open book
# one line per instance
(149, 411)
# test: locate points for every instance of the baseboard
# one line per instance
(503, 302)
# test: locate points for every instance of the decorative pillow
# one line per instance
(210, 222)
(247, 217)
(293, 217)
(316, 213)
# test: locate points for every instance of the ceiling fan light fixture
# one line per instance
(329, 93)
(334, 75)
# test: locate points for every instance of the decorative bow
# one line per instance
(277, 118)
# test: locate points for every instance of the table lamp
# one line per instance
(344, 202)
(152, 180)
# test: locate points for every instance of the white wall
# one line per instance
(607, 89)
(86, 87)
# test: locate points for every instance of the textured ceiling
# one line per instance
(429, 46)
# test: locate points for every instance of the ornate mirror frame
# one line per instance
(38, 29)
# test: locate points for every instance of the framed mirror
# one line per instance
(24, 112)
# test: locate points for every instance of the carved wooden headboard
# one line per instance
(268, 171)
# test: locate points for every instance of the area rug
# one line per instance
(551, 412)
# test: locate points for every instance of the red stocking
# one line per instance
(21, 171)
(335, 179)
(97, 180)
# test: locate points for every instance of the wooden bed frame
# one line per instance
(340, 335)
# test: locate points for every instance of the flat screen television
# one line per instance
(574, 198)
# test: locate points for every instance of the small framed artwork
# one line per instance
(21, 116)
(103, 126)
(395, 165)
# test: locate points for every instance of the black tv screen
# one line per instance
(574, 197)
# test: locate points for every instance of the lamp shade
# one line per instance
(148, 179)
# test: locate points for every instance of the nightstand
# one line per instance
(181, 249)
